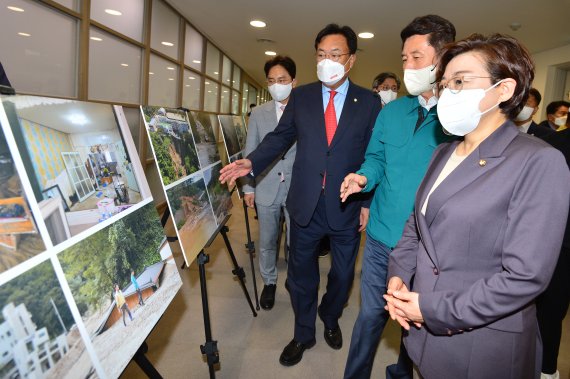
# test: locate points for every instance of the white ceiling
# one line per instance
(293, 25)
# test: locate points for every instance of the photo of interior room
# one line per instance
(77, 160)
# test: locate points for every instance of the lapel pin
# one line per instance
(482, 162)
(355, 99)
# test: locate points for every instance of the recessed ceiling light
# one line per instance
(170, 68)
(272, 53)
(15, 9)
(151, 73)
(209, 91)
(216, 73)
(24, 34)
(113, 12)
(366, 35)
(124, 65)
(258, 24)
(225, 91)
(187, 85)
(207, 83)
(96, 38)
(167, 43)
(191, 78)
(170, 78)
(196, 61)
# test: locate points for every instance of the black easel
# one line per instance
(250, 246)
(142, 361)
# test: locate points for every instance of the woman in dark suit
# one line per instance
(482, 242)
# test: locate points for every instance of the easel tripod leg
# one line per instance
(210, 348)
(251, 250)
(237, 271)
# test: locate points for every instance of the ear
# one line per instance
(352, 59)
(507, 89)
(294, 83)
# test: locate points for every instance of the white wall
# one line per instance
(549, 78)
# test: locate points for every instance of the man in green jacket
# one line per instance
(405, 135)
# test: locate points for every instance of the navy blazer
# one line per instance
(304, 121)
(539, 131)
(486, 247)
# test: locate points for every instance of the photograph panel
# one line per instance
(220, 197)
(122, 278)
(241, 131)
(38, 335)
(19, 236)
(206, 135)
(192, 214)
(229, 132)
(76, 159)
(172, 143)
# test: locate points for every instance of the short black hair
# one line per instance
(553, 107)
(346, 31)
(379, 79)
(283, 61)
(537, 96)
(440, 30)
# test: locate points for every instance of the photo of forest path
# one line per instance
(100, 271)
(220, 197)
(172, 142)
(39, 335)
(192, 215)
(206, 137)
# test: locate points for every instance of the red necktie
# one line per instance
(330, 118)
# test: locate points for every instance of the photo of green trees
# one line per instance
(172, 142)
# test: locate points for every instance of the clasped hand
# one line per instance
(402, 304)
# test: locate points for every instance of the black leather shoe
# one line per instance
(293, 352)
(332, 336)
(267, 299)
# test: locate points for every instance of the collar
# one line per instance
(524, 127)
(427, 104)
(343, 89)
(278, 105)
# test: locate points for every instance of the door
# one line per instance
(78, 176)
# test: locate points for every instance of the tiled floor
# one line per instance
(249, 346)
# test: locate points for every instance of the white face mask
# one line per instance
(459, 113)
(525, 113)
(559, 121)
(330, 72)
(280, 92)
(419, 81)
(387, 96)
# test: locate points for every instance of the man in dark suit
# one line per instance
(524, 119)
(332, 121)
(556, 114)
(552, 304)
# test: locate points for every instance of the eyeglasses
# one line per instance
(332, 56)
(455, 84)
(271, 82)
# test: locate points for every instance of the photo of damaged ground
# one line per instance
(229, 132)
(122, 278)
(172, 142)
(206, 131)
(220, 197)
(39, 337)
(193, 215)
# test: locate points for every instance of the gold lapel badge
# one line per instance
(482, 162)
(355, 99)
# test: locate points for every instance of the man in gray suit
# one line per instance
(269, 189)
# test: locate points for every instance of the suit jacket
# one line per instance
(485, 249)
(561, 141)
(539, 131)
(262, 121)
(304, 121)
